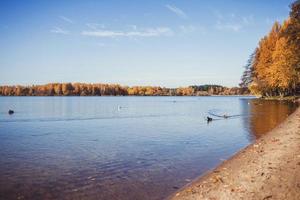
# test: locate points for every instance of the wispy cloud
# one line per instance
(228, 26)
(95, 26)
(66, 19)
(177, 11)
(152, 32)
(187, 29)
(59, 30)
(248, 20)
(232, 22)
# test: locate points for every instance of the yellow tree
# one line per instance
(284, 73)
(263, 60)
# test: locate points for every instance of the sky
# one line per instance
(159, 43)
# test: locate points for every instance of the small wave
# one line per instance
(217, 113)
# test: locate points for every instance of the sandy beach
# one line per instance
(266, 169)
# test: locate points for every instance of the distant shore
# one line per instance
(267, 169)
(101, 89)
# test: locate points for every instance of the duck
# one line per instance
(209, 119)
(10, 112)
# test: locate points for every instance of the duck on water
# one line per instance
(10, 112)
(209, 119)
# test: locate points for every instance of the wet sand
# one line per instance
(266, 169)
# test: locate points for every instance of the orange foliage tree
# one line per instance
(275, 69)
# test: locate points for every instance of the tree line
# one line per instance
(84, 89)
(274, 67)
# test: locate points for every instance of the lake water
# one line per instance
(122, 147)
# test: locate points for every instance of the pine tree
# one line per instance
(247, 76)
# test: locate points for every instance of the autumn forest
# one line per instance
(83, 89)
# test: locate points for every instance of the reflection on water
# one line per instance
(266, 115)
(121, 147)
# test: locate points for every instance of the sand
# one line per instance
(266, 169)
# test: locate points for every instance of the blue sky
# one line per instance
(166, 43)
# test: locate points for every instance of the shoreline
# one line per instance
(269, 168)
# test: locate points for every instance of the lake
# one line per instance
(122, 147)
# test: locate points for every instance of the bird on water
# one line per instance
(209, 119)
